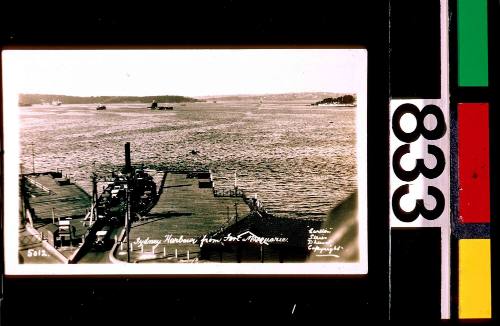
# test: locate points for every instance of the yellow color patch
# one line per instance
(474, 292)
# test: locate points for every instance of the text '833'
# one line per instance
(420, 168)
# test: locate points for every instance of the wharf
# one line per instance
(50, 198)
(49, 191)
(186, 209)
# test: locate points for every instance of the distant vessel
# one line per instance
(100, 107)
(56, 103)
(337, 105)
(154, 106)
(163, 108)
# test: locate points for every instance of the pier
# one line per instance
(186, 209)
(168, 216)
(50, 198)
(52, 195)
(189, 220)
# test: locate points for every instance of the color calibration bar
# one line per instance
(472, 215)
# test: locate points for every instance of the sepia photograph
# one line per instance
(185, 161)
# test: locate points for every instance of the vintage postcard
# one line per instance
(185, 162)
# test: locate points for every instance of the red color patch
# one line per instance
(474, 162)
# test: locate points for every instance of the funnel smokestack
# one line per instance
(128, 165)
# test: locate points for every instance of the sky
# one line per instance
(183, 72)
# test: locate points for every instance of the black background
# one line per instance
(98, 300)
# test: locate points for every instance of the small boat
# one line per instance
(101, 107)
(56, 103)
(194, 152)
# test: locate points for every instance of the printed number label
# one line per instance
(37, 253)
(420, 168)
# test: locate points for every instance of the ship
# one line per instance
(100, 107)
(155, 106)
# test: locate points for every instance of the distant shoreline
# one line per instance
(37, 99)
(31, 99)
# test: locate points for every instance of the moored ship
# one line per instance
(155, 106)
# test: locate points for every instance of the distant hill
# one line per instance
(305, 96)
(29, 99)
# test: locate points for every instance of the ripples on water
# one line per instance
(299, 160)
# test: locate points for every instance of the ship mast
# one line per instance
(33, 155)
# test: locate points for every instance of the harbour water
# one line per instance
(298, 159)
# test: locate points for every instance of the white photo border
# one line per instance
(11, 138)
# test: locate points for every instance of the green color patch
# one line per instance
(472, 43)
